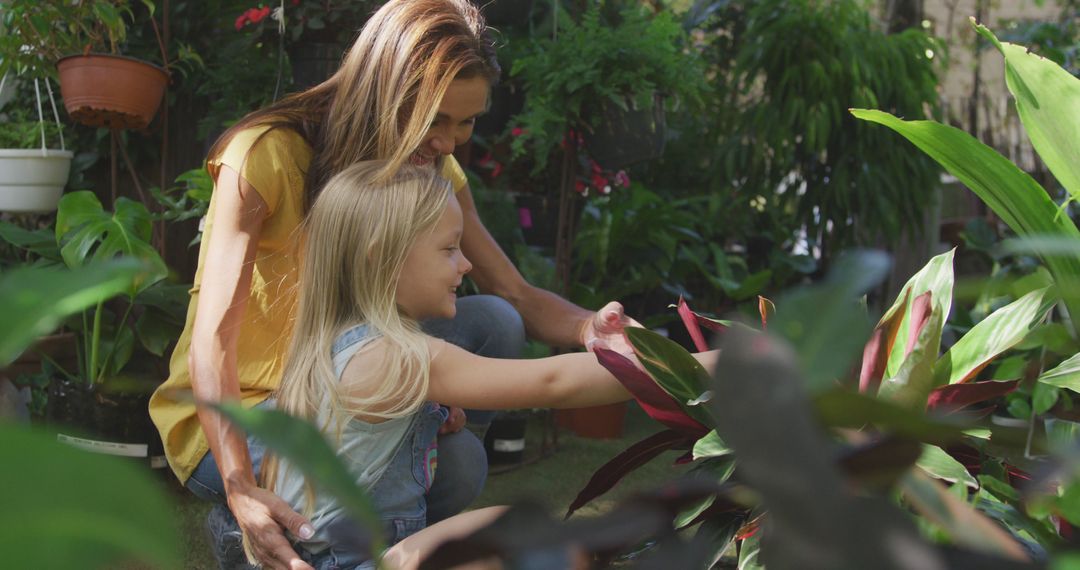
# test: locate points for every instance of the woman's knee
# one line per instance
(496, 325)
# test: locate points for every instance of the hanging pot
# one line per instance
(32, 180)
(111, 91)
(624, 137)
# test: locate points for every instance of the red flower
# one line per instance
(240, 21)
(295, 2)
(497, 170)
(580, 187)
(599, 182)
(517, 132)
(257, 14)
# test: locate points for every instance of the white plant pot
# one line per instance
(32, 180)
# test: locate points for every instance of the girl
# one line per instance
(407, 92)
(379, 258)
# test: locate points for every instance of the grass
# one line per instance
(551, 481)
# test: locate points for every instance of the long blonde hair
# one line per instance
(358, 234)
(381, 101)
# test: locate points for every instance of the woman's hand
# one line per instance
(455, 420)
(605, 329)
(262, 516)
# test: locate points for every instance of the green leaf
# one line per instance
(36, 300)
(674, 369)
(1011, 193)
(87, 232)
(710, 446)
(995, 334)
(1048, 102)
(302, 444)
(941, 465)
(937, 278)
(67, 508)
(1064, 375)
(847, 409)
(915, 380)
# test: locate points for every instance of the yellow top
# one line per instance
(275, 167)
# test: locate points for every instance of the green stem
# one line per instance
(95, 342)
(116, 338)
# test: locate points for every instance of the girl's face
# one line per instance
(465, 99)
(433, 269)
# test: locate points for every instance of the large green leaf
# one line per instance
(302, 444)
(1008, 191)
(87, 232)
(995, 334)
(674, 369)
(942, 466)
(67, 508)
(37, 299)
(711, 446)
(1064, 375)
(1048, 102)
(937, 278)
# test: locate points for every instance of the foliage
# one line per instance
(23, 130)
(774, 138)
(190, 199)
(150, 310)
(333, 21)
(37, 33)
(592, 64)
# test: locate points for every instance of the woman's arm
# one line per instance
(548, 317)
(226, 285)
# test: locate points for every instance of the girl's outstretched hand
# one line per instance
(605, 329)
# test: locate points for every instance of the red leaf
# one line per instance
(633, 457)
(959, 396)
(920, 315)
(876, 352)
(690, 321)
(653, 399)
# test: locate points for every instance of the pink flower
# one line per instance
(595, 167)
(496, 170)
(622, 179)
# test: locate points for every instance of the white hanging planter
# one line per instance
(32, 180)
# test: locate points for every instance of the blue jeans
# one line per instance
(484, 325)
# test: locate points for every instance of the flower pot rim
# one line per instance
(35, 153)
(92, 54)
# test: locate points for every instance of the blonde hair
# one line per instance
(382, 100)
(357, 236)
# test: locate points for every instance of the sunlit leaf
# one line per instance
(1064, 375)
(1011, 193)
(710, 446)
(954, 397)
(995, 334)
(913, 382)
(876, 351)
(1048, 101)
(942, 466)
(936, 277)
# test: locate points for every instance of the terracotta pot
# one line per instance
(597, 422)
(111, 91)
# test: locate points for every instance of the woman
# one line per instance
(408, 91)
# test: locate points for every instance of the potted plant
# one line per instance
(100, 88)
(607, 80)
(34, 166)
(104, 398)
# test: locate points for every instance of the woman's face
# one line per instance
(465, 99)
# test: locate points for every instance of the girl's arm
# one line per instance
(226, 284)
(577, 380)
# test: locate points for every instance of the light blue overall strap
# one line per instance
(347, 344)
